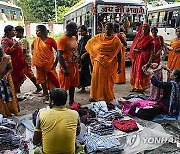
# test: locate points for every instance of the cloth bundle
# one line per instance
(95, 143)
(8, 123)
(10, 140)
(102, 128)
(102, 111)
(126, 125)
(5, 91)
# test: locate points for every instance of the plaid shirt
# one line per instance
(5, 91)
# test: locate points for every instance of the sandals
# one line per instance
(37, 91)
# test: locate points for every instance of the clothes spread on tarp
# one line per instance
(75, 106)
(87, 116)
(126, 125)
(149, 113)
(96, 143)
(6, 130)
(8, 123)
(101, 110)
(131, 108)
(161, 117)
(5, 91)
(134, 99)
(10, 140)
(141, 96)
(102, 128)
(87, 119)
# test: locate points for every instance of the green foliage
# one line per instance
(61, 11)
(44, 10)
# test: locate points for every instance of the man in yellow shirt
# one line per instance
(57, 127)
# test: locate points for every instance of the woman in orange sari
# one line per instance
(43, 60)
(174, 54)
(12, 48)
(142, 52)
(104, 50)
(8, 99)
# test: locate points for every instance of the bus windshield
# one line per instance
(126, 16)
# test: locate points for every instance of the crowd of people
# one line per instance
(98, 62)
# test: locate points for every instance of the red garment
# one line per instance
(18, 62)
(138, 79)
(158, 45)
(126, 125)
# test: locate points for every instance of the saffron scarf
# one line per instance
(42, 56)
(103, 48)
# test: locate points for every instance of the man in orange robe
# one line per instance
(68, 57)
(104, 50)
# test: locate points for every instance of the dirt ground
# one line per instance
(32, 101)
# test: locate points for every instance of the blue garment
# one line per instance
(166, 86)
(174, 104)
(105, 144)
(5, 91)
(160, 117)
(28, 124)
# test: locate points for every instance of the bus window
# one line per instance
(78, 21)
(13, 15)
(153, 19)
(178, 20)
(2, 11)
(83, 19)
(162, 19)
(172, 18)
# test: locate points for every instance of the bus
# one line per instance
(10, 15)
(95, 13)
(166, 18)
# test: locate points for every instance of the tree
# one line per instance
(43, 10)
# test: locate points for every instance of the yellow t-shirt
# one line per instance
(58, 126)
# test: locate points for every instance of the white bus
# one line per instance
(10, 15)
(166, 18)
(95, 13)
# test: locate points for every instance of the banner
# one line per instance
(121, 9)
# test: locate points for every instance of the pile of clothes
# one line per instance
(8, 137)
(100, 122)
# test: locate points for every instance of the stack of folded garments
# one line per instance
(8, 138)
(95, 143)
(8, 123)
(102, 111)
(102, 128)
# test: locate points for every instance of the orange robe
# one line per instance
(173, 57)
(103, 52)
(10, 107)
(43, 59)
(69, 46)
